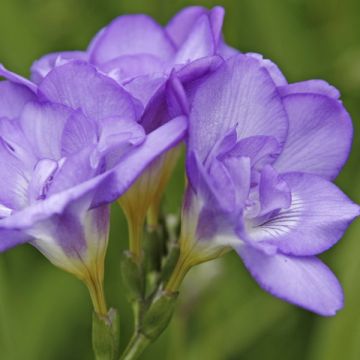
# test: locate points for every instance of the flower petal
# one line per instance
(55, 204)
(131, 35)
(144, 87)
(274, 71)
(79, 132)
(239, 94)
(306, 281)
(127, 67)
(317, 218)
(133, 164)
(169, 100)
(200, 42)
(74, 170)
(107, 187)
(185, 25)
(11, 238)
(18, 147)
(181, 24)
(15, 78)
(262, 150)
(320, 136)
(274, 192)
(78, 85)
(13, 179)
(43, 125)
(320, 87)
(74, 240)
(13, 97)
(117, 137)
(61, 237)
(40, 68)
(43, 170)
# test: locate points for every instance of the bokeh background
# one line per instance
(45, 314)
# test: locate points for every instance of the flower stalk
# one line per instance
(136, 347)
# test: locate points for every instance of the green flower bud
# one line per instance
(170, 263)
(132, 276)
(158, 316)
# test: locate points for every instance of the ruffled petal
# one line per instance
(116, 138)
(17, 79)
(177, 100)
(14, 178)
(127, 67)
(169, 100)
(131, 35)
(18, 147)
(133, 164)
(262, 150)
(319, 87)
(274, 71)
(241, 95)
(303, 281)
(117, 131)
(181, 24)
(42, 126)
(226, 51)
(144, 87)
(216, 186)
(274, 192)
(11, 238)
(13, 97)
(319, 138)
(317, 218)
(52, 205)
(74, 170)
(43, 171)
(78, 85)
(40, 68)
(200, 42)
(79, 132)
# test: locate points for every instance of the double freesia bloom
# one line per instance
(106, 124)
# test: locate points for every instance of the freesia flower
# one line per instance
(140, 54)
(148, 60)
(261, 158)
(69, 146)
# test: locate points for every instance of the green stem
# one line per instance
(159, 313)
(136, 347)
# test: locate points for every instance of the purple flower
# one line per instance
(140, 55)
(152, 63)
(261, 158)
(68, 147)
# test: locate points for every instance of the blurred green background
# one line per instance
(222, 315)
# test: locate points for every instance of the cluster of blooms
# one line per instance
(94, 126)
